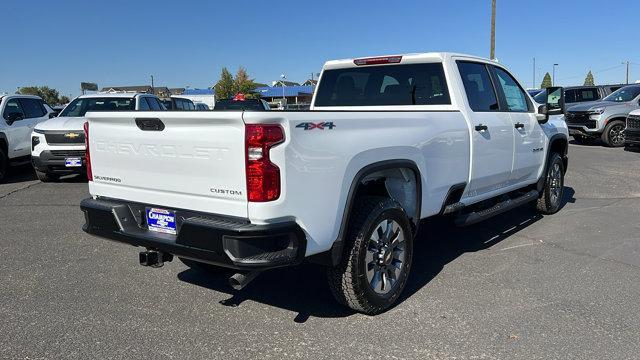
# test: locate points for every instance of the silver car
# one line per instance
(604, 119)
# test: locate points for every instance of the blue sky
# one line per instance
(186, 43)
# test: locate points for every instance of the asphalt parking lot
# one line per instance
(520, 286)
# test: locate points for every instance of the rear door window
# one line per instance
(411, 84)
(587, 94)
(32, 108)
(478, 86)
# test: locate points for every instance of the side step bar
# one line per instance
(471, 218)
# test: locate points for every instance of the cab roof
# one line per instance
(404, 59)
(129, 95)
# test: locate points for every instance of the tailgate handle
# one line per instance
(150, 124)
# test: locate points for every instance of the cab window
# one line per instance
(13, 110)
(513, 93)
(32, 108)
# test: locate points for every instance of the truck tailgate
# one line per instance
(190, 160)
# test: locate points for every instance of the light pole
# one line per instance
(152, 90)
(553, 77)
(627, 63)
(283, 98)
(493, 30)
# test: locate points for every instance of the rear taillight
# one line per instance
(263, 177)
(87, 156)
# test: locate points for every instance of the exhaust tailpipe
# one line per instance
(239, 280)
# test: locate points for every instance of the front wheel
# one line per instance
(377, 259)
(613, 134)
(550, 200)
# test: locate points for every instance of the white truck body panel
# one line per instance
(182, 166)
(197, 152)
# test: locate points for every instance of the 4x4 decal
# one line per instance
(321, 125)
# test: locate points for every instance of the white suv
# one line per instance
(57, 145)
(20, 113)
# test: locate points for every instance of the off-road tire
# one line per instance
(46, 177)
(547, 204)
(4, 165)
(610, 135)
(203, 267)
(348, 281)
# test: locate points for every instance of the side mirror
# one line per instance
(555, 100)
(554, 104)
(542, 114)
(13, 117)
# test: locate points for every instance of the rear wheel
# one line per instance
(377, 259)
(46, 177)
(4, 164)
(553, 192)
(614, 133)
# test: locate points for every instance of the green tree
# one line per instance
(546, 81)
(243, 84)
(64, 100)
(588, 81)
(49, 95)
(224, 87)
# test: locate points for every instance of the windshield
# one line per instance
(79, 107)
(624, 94)
(541, 97)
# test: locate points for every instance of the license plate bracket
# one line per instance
(73, 162)
(161, 220)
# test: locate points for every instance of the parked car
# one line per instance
(58, 145)
(388, 141)
(632, 129)
(201, 106)
(243, 104)
(177, 104)
(604, 119)
(574, 95)
(20, 113)
(57, 109)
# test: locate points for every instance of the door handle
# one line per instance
(481, 127)
(519, 126)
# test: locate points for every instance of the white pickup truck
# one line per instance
(388, 141)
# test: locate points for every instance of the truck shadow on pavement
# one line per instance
(20, 174)
(24, 173)
(304, 289)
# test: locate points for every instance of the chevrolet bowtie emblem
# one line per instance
(71, 135)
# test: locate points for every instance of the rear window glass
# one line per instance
(249, 104)
(79, 107)
(413, 84)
